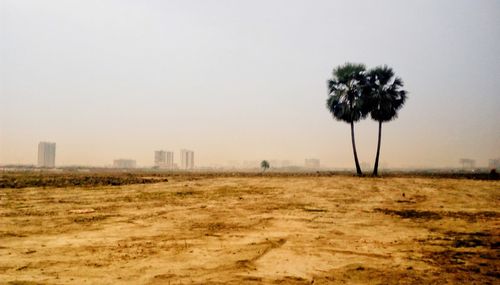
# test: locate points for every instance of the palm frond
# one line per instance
(386, 94)
(345, 92)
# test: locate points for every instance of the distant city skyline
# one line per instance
(165, 160)
(245, 80)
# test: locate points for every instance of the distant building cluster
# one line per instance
(251, 164)
(46, 154)
(312, 163)
(275, 163)
(164, 159)
(124, 163)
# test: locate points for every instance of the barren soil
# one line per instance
(254, 230)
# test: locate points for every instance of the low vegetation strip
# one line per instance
(72, 180)
(24, 179)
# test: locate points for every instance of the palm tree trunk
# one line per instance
(358, 169)
(375, 168)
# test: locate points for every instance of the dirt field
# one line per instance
(254, 230)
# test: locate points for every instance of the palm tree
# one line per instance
(346, 98)
(386, 98)
(264, 165)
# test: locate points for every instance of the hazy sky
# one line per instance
(244, 80)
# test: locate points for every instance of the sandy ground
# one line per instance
(254, 230)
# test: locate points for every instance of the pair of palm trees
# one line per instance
(354, 93)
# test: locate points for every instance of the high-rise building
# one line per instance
(467, 163)
(160, 158)
(164, 159)
(187, 159)
(124, 163)
(169, 159)
(312, 163)
(494, 164)
(46, 154)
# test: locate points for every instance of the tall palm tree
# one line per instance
(386, 98)
(346, 98)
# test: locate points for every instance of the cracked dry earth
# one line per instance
(254, 230)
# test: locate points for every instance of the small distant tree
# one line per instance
(264, 165)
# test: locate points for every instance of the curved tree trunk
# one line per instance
(358, 169)
(375, 168)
